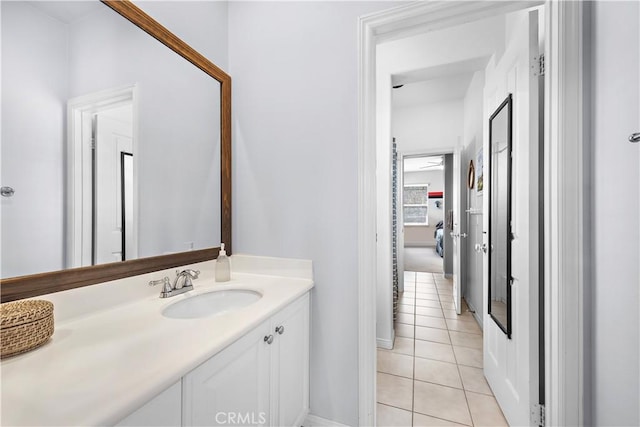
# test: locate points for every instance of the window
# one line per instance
(415, 204)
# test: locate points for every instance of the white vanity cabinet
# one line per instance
(233, 384)
(134, 364)
(163, 410)
(290, 364)
(261, 379)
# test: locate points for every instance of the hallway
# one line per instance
(424, 259)
(433, 376)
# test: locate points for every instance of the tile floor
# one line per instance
(433, 375)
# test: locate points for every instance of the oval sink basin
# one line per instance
(210, 303)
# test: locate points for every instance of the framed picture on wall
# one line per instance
(479, 174)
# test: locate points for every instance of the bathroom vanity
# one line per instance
(120, 355)
(232, 353)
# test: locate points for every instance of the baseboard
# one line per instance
(475, 314)
(300, 421)
(386, 344)
(478, 318)
(316, 421)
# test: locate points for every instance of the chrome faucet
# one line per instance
(182, 283)
(187, 276)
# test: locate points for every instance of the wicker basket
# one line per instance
(24, 325)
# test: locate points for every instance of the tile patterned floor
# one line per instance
(433, 375)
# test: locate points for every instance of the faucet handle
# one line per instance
(165, 282)
(192, 274)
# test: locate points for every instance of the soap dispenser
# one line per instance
(223, 269)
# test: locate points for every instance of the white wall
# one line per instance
(33, 132)
(615, 390)
(435, 179)
(474, 117)
(294, 67)
(428, 126)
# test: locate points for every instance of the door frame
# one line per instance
(79, 184)
(565, 189)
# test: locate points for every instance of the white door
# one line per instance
(459, 232)
(128, 224)
(615, 193)
(113, 136)
(231, 388)
(290, 365)
(511, 364)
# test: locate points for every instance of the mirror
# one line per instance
(116, 139)
(500, 236)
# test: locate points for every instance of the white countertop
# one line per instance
(101, 366)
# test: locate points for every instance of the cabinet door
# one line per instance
(163, 410)
(231, 388)
(290, 364)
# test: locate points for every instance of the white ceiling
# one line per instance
(67, 11)
(431, 91)
(423, 164)
(467, 66)
(442, 83)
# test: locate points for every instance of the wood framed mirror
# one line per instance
(217, 227)
(471, 176)
(500, 234)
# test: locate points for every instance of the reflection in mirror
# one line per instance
(126, 192)
(500, 216)
(110, 139)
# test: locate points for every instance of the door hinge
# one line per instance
(537, 415)
(537, 65)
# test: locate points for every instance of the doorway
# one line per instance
(112, 176)
(102, 176)
(423, 209)
(564, 192)
(497, 62)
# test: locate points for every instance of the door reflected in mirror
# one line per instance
(129, 237)
(111, 140)
(112, 136)
(500, 236)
